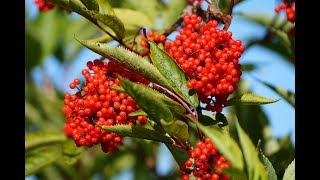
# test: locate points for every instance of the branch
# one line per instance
(185, 105)
(188, 10)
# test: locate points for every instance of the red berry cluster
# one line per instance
(44, 5)
(205, 163)
(197, 4)
(157, 38)
(210, 58)
(290, 9)
(97, 104)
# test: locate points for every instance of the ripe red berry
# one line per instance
(210, 58)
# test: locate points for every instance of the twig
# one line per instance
(195, 115)
(120, 41)
(135, 36)
(188, 10)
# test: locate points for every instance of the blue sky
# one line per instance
(272, 69)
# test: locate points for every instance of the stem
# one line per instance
(120, 41)
(173, 27)
(181, 144)
(195, 115)
(135, 36)
(186, 10)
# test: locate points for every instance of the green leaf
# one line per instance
(91, 4)
(70, 152)
(139, 112)
(144, 97)
(225, 145)
(33, 140)
(138, 132)
(289, 174)
(111, 21)
(271, 173)
(132, 17)
(250, 99)
(105, 7)
(247, 67)
(289, 96)
(218, 119)
(118, 88)
(178, 129)
(283, 156)
(255, 169)
(106, 19)
(207, 120)
(236, 174)
(172, 72)
(180, 155)
(147, 7)
(172, 13)
(36, 160)
(129, 60)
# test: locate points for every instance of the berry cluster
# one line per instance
(205, 163)
(197, 3)
(157, 38)
(289, 7)
(210, 58)
(44, 5)
(97, 104)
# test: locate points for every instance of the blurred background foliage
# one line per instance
(51, 34)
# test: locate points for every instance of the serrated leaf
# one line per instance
(135, 64)
(178, 129)
(129, 60)
(105, 7)
(224, 125)
(138, 132)
(289, 96)
(144, 97)
(70, 152)
(289, 174)
(180, 155)
(106, 19)
(225, 145)
(250, 99)
(37, 160)
(118, 88)
(91, 4)
(255, 169)
(271, 173)
(172, 72)
(172, 12)
(33, 140)
(139, 112)
(132, 17)
(111, 21)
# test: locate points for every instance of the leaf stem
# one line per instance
(185, 105)
(120, 41)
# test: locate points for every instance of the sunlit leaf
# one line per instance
(33, 140)
(250, 99)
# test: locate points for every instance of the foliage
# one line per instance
(175, 117)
